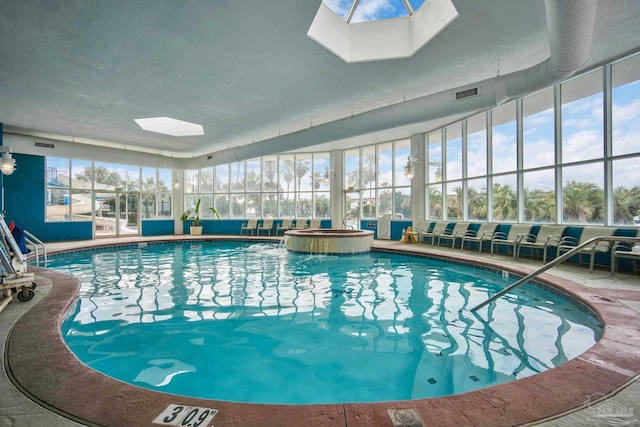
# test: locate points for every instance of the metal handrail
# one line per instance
(555, 262)
(34, 242)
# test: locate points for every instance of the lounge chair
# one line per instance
(435, 231)
(315, 223)
(421, 228)
(267, 225)
(589, 232)
(548, 235)
(284, 226)
(249, 226)
(484, 233)
(457, 232)
(628, 250)
(300, 224)
(512, 238)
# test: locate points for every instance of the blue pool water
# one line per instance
(252, 322)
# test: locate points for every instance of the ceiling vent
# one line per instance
(466, 93)
(44, 145)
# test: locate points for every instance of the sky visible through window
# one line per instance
(372, 10)
(582, 135)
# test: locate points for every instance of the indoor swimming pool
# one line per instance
(253, 322)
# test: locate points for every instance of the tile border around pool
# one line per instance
(43, 367)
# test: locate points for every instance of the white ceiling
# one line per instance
(245, 69)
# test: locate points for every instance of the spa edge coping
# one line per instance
(41, 365)
(329, 232)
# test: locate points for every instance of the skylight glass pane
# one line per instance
(416, 4)
(340, 7)
(373, 10)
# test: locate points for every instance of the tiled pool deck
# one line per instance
(43, 368)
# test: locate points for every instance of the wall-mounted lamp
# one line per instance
(176, 181)
(410, 168)
(326, 178)
(7, 162)
(438, 173)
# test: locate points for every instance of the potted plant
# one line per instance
(196, 228)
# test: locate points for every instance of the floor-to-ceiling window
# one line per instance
(375, 182)
(157, 194)
(114, 196)
(625, 140)
(550, 157)
(504, 163)
(582, 114)
(277, 186)
(435, 206)
(401, 183)
(538, 135)
(453, 171)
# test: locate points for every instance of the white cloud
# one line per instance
(538, 153)
(624, 113)
(592, 172)
(385, 177)
(535, 121)
(626, 173)
(504, 152)
(454, 170)
(582, 122)
(540, 180)
(340, 7)
(369, 10)
(384, 159)
(477, 160)
(583, 105)
(583, 145)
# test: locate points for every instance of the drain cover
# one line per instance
(405, 418)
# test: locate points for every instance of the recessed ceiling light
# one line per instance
(169, 126)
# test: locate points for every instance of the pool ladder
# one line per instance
(555, 262)
(37, 245)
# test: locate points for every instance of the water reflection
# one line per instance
(209, 307)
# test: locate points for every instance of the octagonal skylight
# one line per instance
(354, 11)
(361, 30)
(169, 126)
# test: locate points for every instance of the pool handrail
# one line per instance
(555, 262)
(34, 242)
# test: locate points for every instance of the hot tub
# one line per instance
(329, 241)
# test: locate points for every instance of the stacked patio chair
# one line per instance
(457, 232)
(249, 227)
(589, 232)
(300, 224)
(267, 225)
(512, 238)
(548, 236)
(483, 234)
(284, 226)
(315, 223)
(421, 228)
(435, 231)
